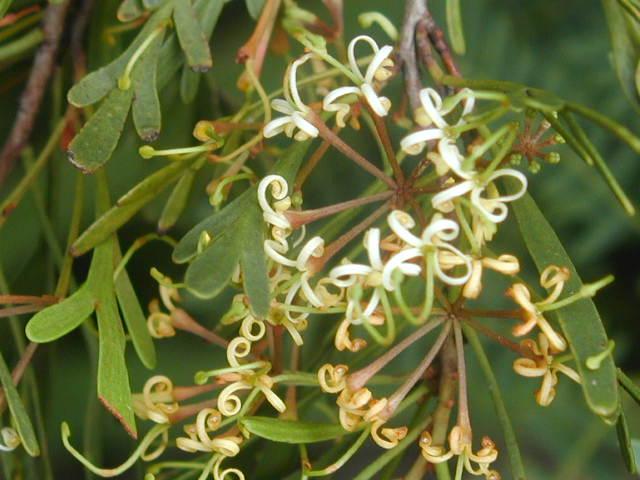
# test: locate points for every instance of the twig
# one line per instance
(31, 98)
(440, 44)
(414, 12)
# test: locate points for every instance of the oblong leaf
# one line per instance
(147, 117)
(253, 262)
(580, 321)
(95, 142)
(214, 225)
(189, 84)
(625, 443)
(191, 37)
(135, 320)
(18, 412)
(57, 320)
(177, 201)
(289, 431)
(211, 271)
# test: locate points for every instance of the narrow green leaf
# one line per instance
(254, 7)
(208, 11)
(624, 442)
(288, 431)
(18, 412)
(129, 10)
(93, 145)
(513, 450)
(135, 320)
(177, 201)
(113, 378)
(454, 25)
(625, 50)
(156, 182)
(629, 385)
(253, 262)
(580, 321)
(598, 161)
(57, 320)
(189, 84)
(211, 271)
(191, 37)
(104, 226)
(147, 117)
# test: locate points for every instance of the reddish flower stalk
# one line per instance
(300, 218)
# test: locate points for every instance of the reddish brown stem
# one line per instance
(300, 218)
(184, 393)
(383, 133)
(43, 64)
(344, 148)
(183, 321)
(501, 339)
(30, 299)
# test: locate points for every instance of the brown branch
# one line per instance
(414, 12)
(440, 43)
(43, 65)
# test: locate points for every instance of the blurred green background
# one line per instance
(560, 46)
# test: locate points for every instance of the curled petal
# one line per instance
(332, 378)
(387, 437)
(432, 104)
(291, 82)
(400, 223)
(415, 142)
(237, 349)
(351, 54)
(229, 403)
(276, 126)
(313, 248)
(505, 264)
(379, 105)
(440, 229)
(274, 250)
(449, 279)
(252, 329)
(527, 367)
(399, 261)
(440, 199)
(379, 68)
(341, 109)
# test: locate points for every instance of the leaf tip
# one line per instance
(130, 428)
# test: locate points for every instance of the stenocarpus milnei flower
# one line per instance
(293, 108)
(378, 70)
(553, 279)
(545, 365)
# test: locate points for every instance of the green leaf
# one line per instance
(629, 385)
(625, 443)
(129, 10)
(4, 6)
(253, 262)
(454, 25)
(128, 205)
(625, 50)
(288, 431)
(254, 7)
(214, 225)
(93, 145)
(513, 450)
(189, 83)
(105, 225)
(18, 412)
(135, 320)
(580, 321)
(146, 103)
(177, 201)
(191, 37)
(113, 378)
(57, 320)
(211, 271)
(99, 83)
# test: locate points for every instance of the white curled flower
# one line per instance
(314, 248)
(431, 115)
(348, 274)
(435, 239)
(377, 70)
(292, 107)
(494, 207)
